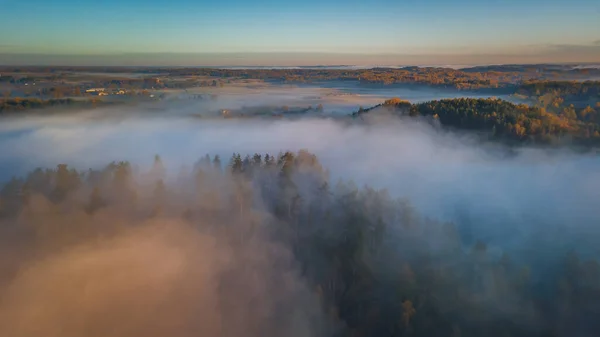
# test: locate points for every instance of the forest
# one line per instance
(20, 105)
(502, 120)
(356, 261)
(572, 98)
(16, 104)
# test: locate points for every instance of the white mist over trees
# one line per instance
(383, 227)
(264, 246)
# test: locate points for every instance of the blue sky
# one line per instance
(446, 29)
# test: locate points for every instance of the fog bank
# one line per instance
(146, 266)
(446, 175)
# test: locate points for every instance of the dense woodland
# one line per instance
(556, 70)
(375, 265)
(502, 120)
(581, 98)
(20, 104)
(23, 104)
(567, 89)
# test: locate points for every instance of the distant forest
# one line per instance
(20, 105)
(483, 77)
(375, 265)
(503, 77)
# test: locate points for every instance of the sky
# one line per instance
(298, 32)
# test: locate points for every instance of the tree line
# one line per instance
(502, 120)
(9, 105)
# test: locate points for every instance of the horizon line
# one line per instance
(276, 66)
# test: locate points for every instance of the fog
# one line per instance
(337, 97)
(113, 275)
(447, 175)
(532, 203)
(437, 170)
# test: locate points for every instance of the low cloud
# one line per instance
(134, 269)
(112, 274)
(439, 171)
